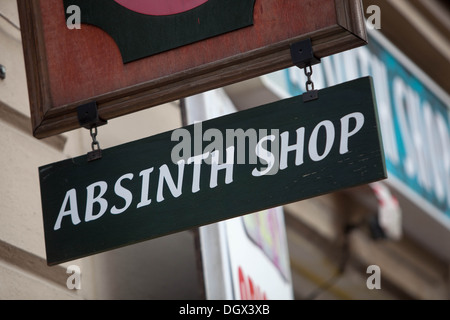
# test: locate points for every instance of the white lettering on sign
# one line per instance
(71, 200)
(92, 199)
(170, 183)
(264, 155)
(123, 193)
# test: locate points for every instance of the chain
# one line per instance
(308, 74)
(95, 143)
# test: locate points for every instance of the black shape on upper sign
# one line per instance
(140, 35)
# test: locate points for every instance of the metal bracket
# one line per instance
(88, 118)
(310, 95)
(302, 55)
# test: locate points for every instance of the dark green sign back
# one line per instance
(137, 191)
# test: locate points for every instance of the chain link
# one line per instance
(309, 82)
(95, 143)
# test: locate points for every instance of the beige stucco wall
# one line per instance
(21, 232)
(23, 270)
(12, 90)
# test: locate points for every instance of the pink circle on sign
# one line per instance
(160, 7)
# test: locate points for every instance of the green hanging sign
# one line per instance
(241, 163)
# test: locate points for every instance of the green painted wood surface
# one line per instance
(362, 164)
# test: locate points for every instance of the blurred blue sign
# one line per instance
(414, 114)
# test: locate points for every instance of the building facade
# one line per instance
(389, 240)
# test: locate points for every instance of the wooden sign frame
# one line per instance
(63, 74)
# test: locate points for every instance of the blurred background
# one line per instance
(401, 225)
